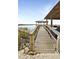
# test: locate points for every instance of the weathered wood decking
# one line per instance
(44, 46)
(43, 43)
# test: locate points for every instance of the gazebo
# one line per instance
(54, 14)
(44, 22)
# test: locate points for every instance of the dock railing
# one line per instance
(55, 36)
(33, 36)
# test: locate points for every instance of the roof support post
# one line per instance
(46, 22)
(36, 23)
(51, 23)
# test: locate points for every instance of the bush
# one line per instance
(22, 33)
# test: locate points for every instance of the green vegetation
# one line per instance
(22, 33)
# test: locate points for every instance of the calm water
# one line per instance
(28, 26)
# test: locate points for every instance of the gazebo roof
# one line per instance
(54, 13)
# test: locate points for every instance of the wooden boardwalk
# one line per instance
(43, 43)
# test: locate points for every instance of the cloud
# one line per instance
(20, 21)
(25, 21)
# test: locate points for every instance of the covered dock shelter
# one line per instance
(54, 14)
(41, 22)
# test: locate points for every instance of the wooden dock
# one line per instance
(43, 43)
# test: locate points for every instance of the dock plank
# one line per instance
(43, 43)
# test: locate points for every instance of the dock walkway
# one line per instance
(43, 43)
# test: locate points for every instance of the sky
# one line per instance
(30, 11)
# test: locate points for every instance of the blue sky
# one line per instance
(31, 10)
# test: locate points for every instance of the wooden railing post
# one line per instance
(32, 41)
(57, 44)
(36, 23)
(31, 49)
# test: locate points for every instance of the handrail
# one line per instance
(57, 39)
(34, 33)
(49, 32)
(33, 36)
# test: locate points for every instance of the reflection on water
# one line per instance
(30, 27)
